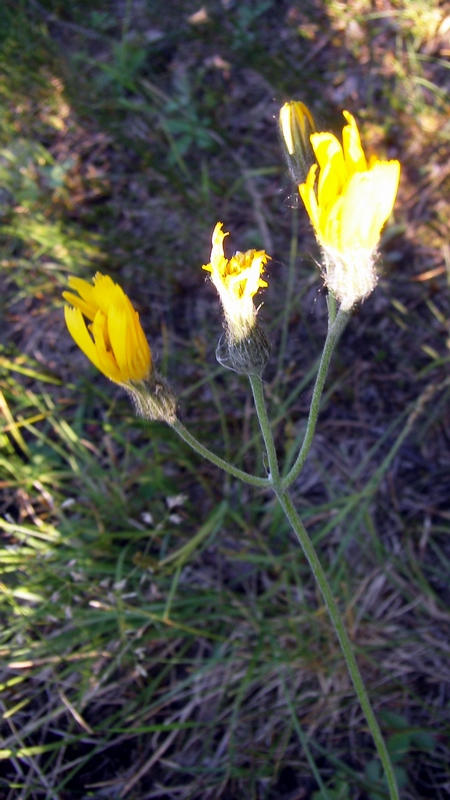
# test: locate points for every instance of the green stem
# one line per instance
(199, 448)
(334, 331)
(264, 422)
(332, 308)
(299, 529)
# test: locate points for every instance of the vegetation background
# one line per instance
(161, 634)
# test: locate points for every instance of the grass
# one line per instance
(161, 634)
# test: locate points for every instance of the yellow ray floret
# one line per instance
(348, 208)
(114, 341)
(237, 280)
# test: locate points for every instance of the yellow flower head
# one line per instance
(236, 279)
(117, 346)
(352, 202)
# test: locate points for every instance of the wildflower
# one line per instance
(115, 342)
(353, 201)
(117, 346)
(237, 280)
(296, 126)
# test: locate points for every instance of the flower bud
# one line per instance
(296, 126)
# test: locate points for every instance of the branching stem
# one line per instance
(199, 448)
(335, 329)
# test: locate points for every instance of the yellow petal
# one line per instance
(332, 174)
(368, 201)
(141, 355)
(107, 361)
(385, 180)
(85, 290)
(117, 332)
(331, 225)
(358, 229)
(79, 332)
(355, 160)
(217, 253)
(87, 309)
(308, 195)
(119, 348)
(106, 293)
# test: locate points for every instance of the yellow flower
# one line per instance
(354, 199)
(296, 126)
(118, 346)
(237, 280)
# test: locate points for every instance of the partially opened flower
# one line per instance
(352, 201)
(237, 280)
(114, 340)
(245, 348)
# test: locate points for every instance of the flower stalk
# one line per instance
(266, 430)
(205, 452)
(335, 329)
(300, 531)
(285, 501)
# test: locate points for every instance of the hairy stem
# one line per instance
(334, 331)
(299, 529)
(199, 448)
(266, 430)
